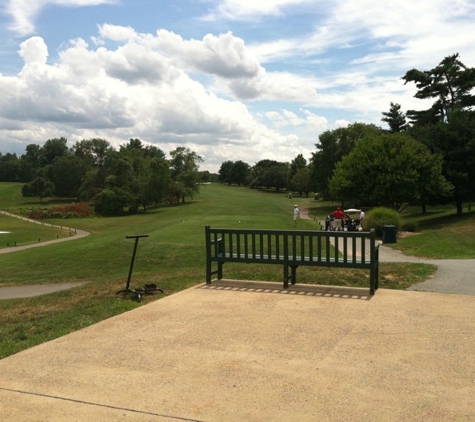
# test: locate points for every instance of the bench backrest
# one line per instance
(303, 247)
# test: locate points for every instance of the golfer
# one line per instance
(296, 214)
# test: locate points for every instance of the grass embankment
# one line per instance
(172, 257)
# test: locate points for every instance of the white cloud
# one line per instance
(138, 91)
(24, 12)
(227, 96)
(34, 50)
(236, 71)
(405, 33)
(252, 9)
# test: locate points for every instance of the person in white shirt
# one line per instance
(362, 216)
(296, 214)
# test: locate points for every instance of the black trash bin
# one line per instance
(389, 234)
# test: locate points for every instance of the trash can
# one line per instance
(389, 234)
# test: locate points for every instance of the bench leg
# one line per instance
(220, 270)
(210, 272)
(286, 276)
(294, 274)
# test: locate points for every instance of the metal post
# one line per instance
(127, 286)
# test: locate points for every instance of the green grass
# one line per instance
(21, 232)
(172, 256)
(441, 233)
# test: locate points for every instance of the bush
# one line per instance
(379, 217)
(75, 210)
(113, 201)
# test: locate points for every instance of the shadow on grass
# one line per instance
(433, 220)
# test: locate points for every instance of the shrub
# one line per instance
(379, 217)
(113, 201)
(76, 210)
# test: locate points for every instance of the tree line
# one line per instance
(426, 157)
(131, 177)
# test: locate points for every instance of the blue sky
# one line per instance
(229, 79)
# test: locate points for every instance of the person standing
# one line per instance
(338, 214)
(296, 214)
(362, 217)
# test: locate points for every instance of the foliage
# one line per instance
(302, 181)
(450, 83)
(455, 142)
(332, 147)
(381, 216)
(391, 170)
(67, 174)
(113, 201)
(52, 150)
(9, 170)
(75, 210)
(39, 187)
(135, 175)
(448, 127)
(269, 174)
(395, 118)
(298, 163)
(184, 165)
(234, 172)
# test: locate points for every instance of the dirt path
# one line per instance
(304, 214)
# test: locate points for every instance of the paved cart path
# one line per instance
(237, 351)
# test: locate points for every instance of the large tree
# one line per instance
(448, 126)
(184, 166)
(153, 182)
(94, 152)
(390, 170)
(234, 172)
(52, 150)
(269, 174)
(298, 163)
(302, 181)
(67, 174)
(240, 172)
(226, 172)
(40, 187)
(9, 168)
(450, 83)
(333, 145)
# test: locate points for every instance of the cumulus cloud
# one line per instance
(144, 88)
(34, 50)
(235, 69)
(223, 95)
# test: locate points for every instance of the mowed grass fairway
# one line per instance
(173, 257)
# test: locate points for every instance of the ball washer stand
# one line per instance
(148, 288)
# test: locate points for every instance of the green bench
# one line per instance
(292, 248)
